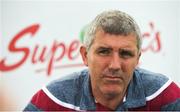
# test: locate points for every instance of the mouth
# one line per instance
(112, 78)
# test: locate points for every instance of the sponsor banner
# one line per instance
(40, 41)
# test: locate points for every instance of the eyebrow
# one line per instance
(127, 49)
(120, 49)
(105, 47)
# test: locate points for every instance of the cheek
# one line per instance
(97, 66)
(98, 62)
(127, 69)
(128, 66)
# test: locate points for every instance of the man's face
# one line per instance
(111, 61)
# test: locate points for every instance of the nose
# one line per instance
(115, 62)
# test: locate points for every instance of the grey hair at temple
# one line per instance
(112, 22)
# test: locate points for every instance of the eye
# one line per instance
(104, 51)
(126, 54)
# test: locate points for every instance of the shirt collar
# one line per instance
(87, 101)
(135, 96)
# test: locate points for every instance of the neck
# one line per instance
(110, 101)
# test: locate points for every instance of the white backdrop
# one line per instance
(39, 41)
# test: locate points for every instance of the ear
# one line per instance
(139, 55)
(84, 55)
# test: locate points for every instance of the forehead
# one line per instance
(115, 41)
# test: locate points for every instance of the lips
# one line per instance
(112, 78)
(112, 75)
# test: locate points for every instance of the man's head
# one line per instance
(112, 22)
(111, 50)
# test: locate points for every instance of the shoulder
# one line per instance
(158, 89)
(67, 87)
(152, 82)
(69, 81)
(61, 94)
(151, 76)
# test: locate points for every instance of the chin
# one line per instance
(112, 91)
(111, 95)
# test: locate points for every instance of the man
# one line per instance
(111, 51)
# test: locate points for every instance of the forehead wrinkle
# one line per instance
(112, 40)
(104, 45)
